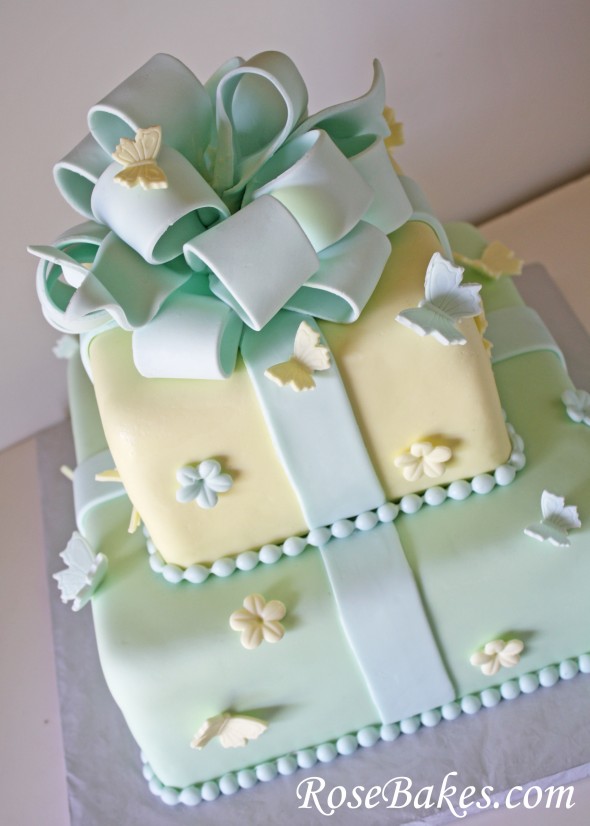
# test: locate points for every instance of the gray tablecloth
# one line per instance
(540, 736)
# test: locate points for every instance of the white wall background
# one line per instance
(493, 95)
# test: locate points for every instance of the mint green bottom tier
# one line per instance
(171, 659)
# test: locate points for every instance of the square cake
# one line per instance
(332, 476)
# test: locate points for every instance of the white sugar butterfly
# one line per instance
(84, 573)
(309, 356)
(445, 302)
(138, 158)
(557, 520)
(234, 731)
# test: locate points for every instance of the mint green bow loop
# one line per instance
(162, 92)
(348, 274)
(257, 207)
(312, 178)
(361, 116)
(77, 173)
(258, 104)
(258, 258)
(85, 279)
(194, 336)
(157, 224)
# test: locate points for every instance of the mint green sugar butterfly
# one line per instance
(557, 520)
(84, 573)
(446, 301)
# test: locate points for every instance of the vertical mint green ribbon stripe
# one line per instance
(88, 493)
(314, 432)
(384, 620)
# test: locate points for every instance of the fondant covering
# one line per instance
(479, 578)
(299, 460)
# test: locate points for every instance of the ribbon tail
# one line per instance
(192, 337)
(363, 115)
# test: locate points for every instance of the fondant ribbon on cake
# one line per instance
(516, 330)
(88, 492)
(305, 426)
(258, 208)
(385, 622)
(423, 212)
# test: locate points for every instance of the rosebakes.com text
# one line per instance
(400, 793)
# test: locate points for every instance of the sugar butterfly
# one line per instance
(497, 260)
(557, 520)
(234, 731)
(309, 356)
(84, 573)
(445, 302)
(138, 158)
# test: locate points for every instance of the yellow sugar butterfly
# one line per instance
(138, 158)
(309, 356)
(234, 731)
(497, 260)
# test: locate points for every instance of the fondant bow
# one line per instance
(258, 208)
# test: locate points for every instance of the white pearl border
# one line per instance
(365, 738)
(481, 484)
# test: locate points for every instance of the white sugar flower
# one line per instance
(202, 483)
(258, 620)
(423, 460)
(577, 404)
(497, 654)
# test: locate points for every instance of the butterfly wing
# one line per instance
(78, 555)
(428, 320)
(443, 289)
(70, 583)
(292, 373)
(463, 302)
(308, 350)
(308, 357)
(237, 731)
(129, 176)
(126, 152)
(150, 176)
(442, 278)
(557, 513)
(148, 142)
(547, 532)
(498, 260)
(210, 729)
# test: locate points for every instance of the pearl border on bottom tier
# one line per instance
(366, 737)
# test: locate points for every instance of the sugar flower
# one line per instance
(258, 620)
(497, 654)
(423, 459)
(202, 483)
